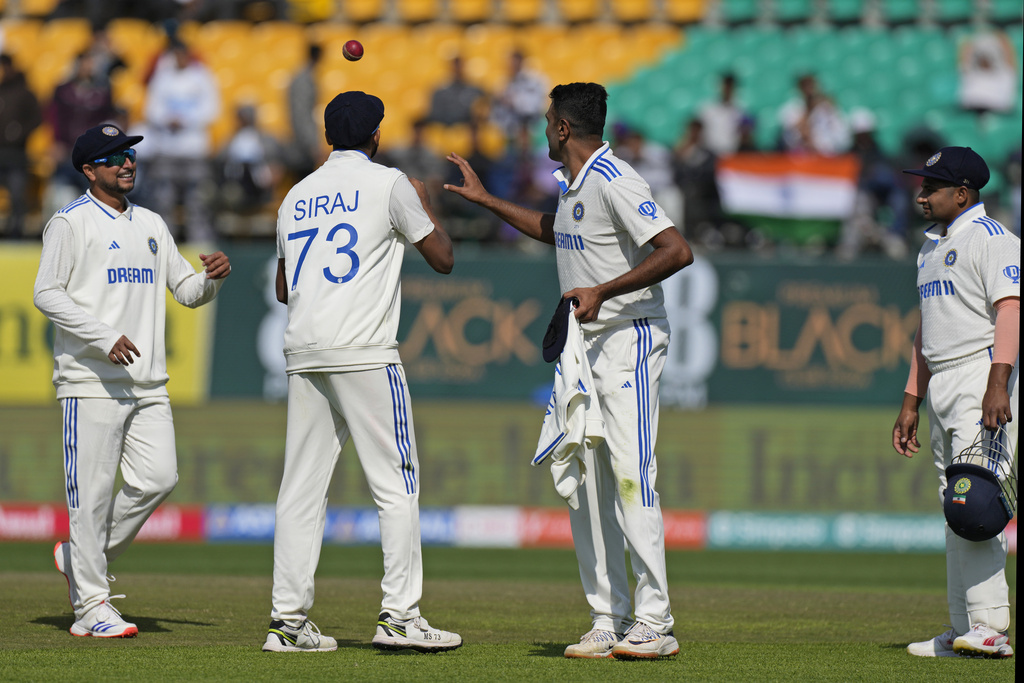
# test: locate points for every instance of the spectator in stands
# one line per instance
(458, 101)
(20, 114)
(78, 104)
(101, 12)
(1012, 172)
(523, 176)
(250, 166)
(466, 221)
(988, 73)
(417, 160)
(748, 134)
(182, 103)
(105, 61)
(882, 206)
(307, 131)
(653, 161)
(524, 99)
(722, 119)
(694, 174)
(812, 123)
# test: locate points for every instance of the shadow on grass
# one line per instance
(145, 624)
(547, 650)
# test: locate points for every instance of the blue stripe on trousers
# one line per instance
(643, 407)
(400, 412)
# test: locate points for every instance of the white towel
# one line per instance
(573, 418)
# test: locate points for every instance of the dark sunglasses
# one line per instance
(117, 159)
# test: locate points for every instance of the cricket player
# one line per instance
(341, 235)
(105, 263)
(614, 245)
(965, 360)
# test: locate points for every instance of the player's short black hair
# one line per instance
(583, 105)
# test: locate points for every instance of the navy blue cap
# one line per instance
(558, 330)
(98, 142)
(974, 502)
(957, 165)
(352, 117)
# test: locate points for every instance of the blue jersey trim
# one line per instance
(84, 199)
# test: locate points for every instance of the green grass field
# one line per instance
(202, 612)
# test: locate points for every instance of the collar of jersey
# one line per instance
(563, 182)
(127, 213)
(968, 215)
(348, 154)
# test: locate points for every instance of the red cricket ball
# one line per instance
(353, 50)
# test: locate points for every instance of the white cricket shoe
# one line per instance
(104, 621)
(982, 641)
(62, 560)
(939, 646)
(415, 634)
(595, 644)
(643, 642)
(304, 638)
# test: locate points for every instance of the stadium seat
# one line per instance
(418, 11)
(363, 11)
(470, 11)
(1006, 11)
(953, 11)
(632, 11)
(844, 11)
(793, 11)
(310, 11)
(575, 11)
(38, 8)
(739, 11)
(522, 11)
(684, 11)
(899, 11)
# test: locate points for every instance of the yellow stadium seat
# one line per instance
(363, 11)
(418, 11)
(21, 38)
(633, 11)
(575, 11)
(310, 11)
(470, 11)
(684, 11)
(522, 11)
(38, 8)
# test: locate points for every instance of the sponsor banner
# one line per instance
(50, 522)
(26, 337)
(685, 530)
(487, 526)
(788, 185)
(240, 523)
(545, 528)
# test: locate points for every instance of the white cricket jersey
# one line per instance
(342, 232)
(102, 275)
(959, 278)
(603, 223)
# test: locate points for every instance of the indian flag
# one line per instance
(960, 499)
(788, 185)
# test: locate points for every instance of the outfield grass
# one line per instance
(740, 616)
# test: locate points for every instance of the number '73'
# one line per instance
(310, 235)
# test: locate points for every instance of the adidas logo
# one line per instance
(627, 385)
(114, 245)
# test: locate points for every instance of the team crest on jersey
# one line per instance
(577, 211)
(152, 245)
(1013, 273)
(649, 209)
(934, 160)
(110, 131)
(950, 258)
(963, 485)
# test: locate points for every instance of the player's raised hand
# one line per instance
(122, 352)
(472, 188)
(216, 264)
(904, 432)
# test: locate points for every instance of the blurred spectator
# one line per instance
(181, 105)
(1012, 171)
(694, 173)
(748, 134)
(723, 119)
(882, 205)
(458, 101)
(101, 12)
(20, 114)
(79, 103)
(523, 176)
(105, 62)
(250, 165)
(417, 160)
(306, 120)
(524, 99)
(812, 123)
(988, 73)
(653, 161)
(466, 221)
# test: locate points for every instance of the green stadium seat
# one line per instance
(844, 11)
(739, 11)
(793, 11)
(1006, 11)
(899, 11)
(953, 11)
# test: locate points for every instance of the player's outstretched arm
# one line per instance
(535, 224)
(904, 432)
(436, 248)
(216, 264)
(671, 254)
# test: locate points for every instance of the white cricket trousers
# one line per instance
(100, 436)
(324, 409)
(619, 507)
(975, 571)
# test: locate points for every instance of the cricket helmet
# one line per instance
(981, 487)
